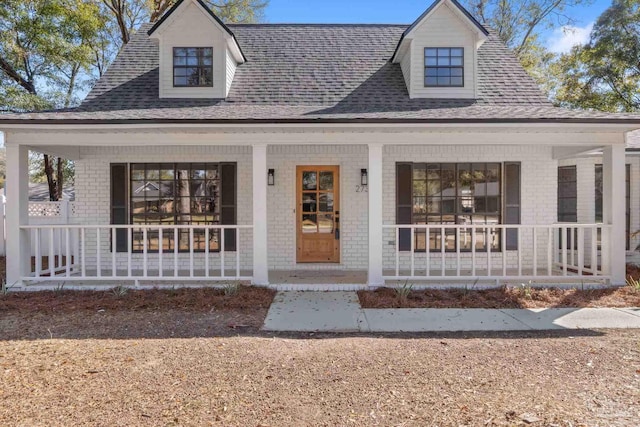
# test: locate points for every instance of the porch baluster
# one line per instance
(206, 252)
(160, 251)
(38, 254)
(144, 252)
(488, 244)
(549, 251)
(564, 239)
(129, 251)
(535, 250)
(98, 253)
(83, 243)
(222, 248)
(51, 257)
(473, 250)
(113, 252)
(442, 253)
(412, 250)
(519, 233)
(175, 252)
(503, 244)
(191, 252)
(580, 250)
(68, 252)
(458, 251)
(237, 252)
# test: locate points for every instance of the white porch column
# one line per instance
(17, 213)
(613, 211)
(374, 277)
(260, 258)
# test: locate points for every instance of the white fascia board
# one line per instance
(232, 44)
(242, 136)
(405, 47)
(521, 127)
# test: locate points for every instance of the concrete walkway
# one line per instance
(341, 312)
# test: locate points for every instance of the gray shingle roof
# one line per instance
(312, 65)
(314, 72)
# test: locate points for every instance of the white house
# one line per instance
(355, 155)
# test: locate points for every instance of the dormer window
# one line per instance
(192, 67)
(443, 67)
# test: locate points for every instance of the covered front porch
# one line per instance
(376, 245)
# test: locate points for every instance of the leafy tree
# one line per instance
(44, 51)
(604, 74)
(519, 24)
(236, 11)
(129, 14)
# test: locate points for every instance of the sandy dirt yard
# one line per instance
(163, 367)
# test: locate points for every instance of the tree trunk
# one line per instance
(60, 179)
(48, 170)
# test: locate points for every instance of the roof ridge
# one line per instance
(315, 24)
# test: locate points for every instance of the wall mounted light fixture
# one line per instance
(271, 177)
(363, 177)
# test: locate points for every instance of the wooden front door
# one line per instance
(318, 213)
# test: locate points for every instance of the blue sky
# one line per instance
(406, 11)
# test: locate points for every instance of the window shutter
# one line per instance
(404, 173)
(512, 202)
(119, 204)
(228, 203)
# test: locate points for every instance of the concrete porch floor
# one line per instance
(318, 277)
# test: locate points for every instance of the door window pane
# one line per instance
(309, 223)
(326, 180)
(309, 181)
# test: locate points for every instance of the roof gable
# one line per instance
(457, 9)
(157, 27)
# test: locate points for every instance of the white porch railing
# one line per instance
(61, 212)
(461, 251)
(89, 252)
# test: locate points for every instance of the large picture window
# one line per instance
(183, 194)
(192, 67)
(451, 193)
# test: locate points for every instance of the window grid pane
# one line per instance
(456, 194)
(168, 194)
(444, 67)
(193, 67)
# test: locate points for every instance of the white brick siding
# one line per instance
(539, 178)
(282, 202)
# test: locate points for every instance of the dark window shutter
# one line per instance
(404, 174)
(228, 210)
(119, 204)
(512, 201)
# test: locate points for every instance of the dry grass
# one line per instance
(524, 297)
(517, 297)
(93, 376)
(247, 298)
(197, 357)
